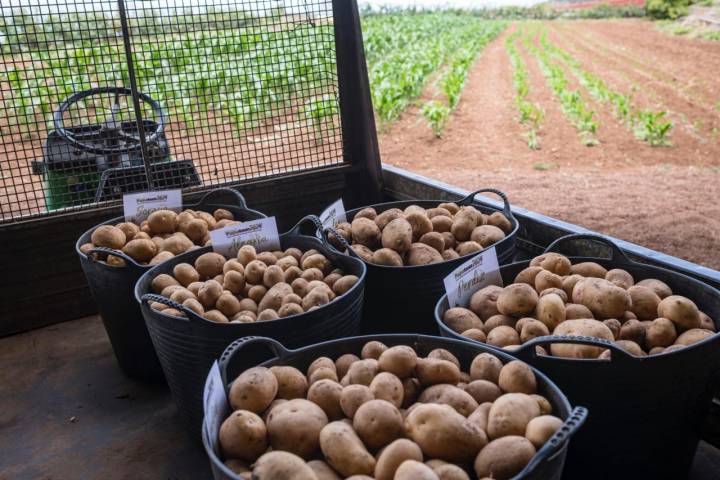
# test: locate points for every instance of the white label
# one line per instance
(215, 404)
(334, 214)
(138, 206)
(478, 272)
(261, 234)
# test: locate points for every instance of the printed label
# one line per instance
(334, 214)
(215, 404)
(478, 272)
(261, 234)
(138, 206)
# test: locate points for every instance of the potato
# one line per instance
(443, 433)
(289, 309)
(352, 396)
(553, 262)
(421, 254)
(278, 465)
(497, 321)
(462, 227)
(365, 232)
(486, 366)
(215, 316)
(444, 354)
(344, 450)
(487, 235)
(343, 362)
(185, 274)
(344, 284)
(450, 207)
(160, 258)
(557, 291)
(322, 373)
(419, 223)
(372, 349)
(243, 435)
(272, 276)
(362, 372)
(575, 311)
(546, 279)
(533, 329)
(693, 335)
(256, 293)
(414, 470)
(397, 235)
(320, 362)
(399, 360)
(483, 391)
(291, 382)
(681, 311)
(209, 293)
(580, 327)
(322, 470)
(551, 310)
(378, 422)
(504, 458)
(253, 390)
(589, 269)
(475, 334)
(160, 282)
(367, 212)
(209, 264)
(315, 298)
(503, 336)
(295, 426)
(228, 304)
(431, 371)
(540, 429)
(604, 299)
(660, 288)
(620, 278)
(162, 221)
(510, 414)
(499, 220)
(466, 248)
(528, 275)
(272, 299)
(634, 331)
(569, 283)
(517, 300)
(545, 407)
(614, 325)
(384, 218)
(445, 394)
(140, 250)
(484, 302)
(386, 256)
(392, 456)
(517, 377)
(434, 239)
(326, 394)
(109, 237)
(644, 302)
(239, 467)
(441, 224)
(269, 258)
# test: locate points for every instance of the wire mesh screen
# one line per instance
(227, 90)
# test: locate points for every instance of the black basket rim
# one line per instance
(510, 237)
(504, 356)
(443, 301)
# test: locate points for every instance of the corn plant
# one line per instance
(437, 115)
(652, 127)
(529, 112)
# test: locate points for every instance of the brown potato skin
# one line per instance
(344, 451)
(394, 455)
(295, 425)
(510, 414)
(243, 435)
(681, 311)
(398, 235)
(253, 390)
(378, 423)
(277, 465)
(504, 457)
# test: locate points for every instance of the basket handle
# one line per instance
(273, 345)
(569, 428)
(616, 253)
(129, 261)
(239, 199)
(191, 314)
(526, 352)
(507, 210)
(309, 219)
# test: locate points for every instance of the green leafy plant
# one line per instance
(436, 115)
(530, 113)
(652, 127)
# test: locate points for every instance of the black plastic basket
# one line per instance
(112, 288)
(647, 412)
(547, 463)
(402, 299)
(187, 347)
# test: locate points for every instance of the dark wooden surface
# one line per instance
(67, 412)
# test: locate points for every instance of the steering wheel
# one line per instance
(113, 136)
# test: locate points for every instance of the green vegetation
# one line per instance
(572, 103)
(648, 126)
(530, 113)
(667, 9)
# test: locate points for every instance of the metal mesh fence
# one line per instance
(230, 90)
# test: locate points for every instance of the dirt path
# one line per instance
(662, 198)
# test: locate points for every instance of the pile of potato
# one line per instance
(554, 296)
(162, 236)
(254, 286)
(419, 236)
(388, 414)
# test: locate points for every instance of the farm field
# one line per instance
(608, 124)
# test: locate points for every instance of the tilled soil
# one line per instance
(665, 198)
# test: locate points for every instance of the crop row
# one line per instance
(647, 125)
(529, 112)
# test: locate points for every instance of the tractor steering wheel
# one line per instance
(111, 137)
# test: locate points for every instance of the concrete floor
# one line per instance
(68, 412)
